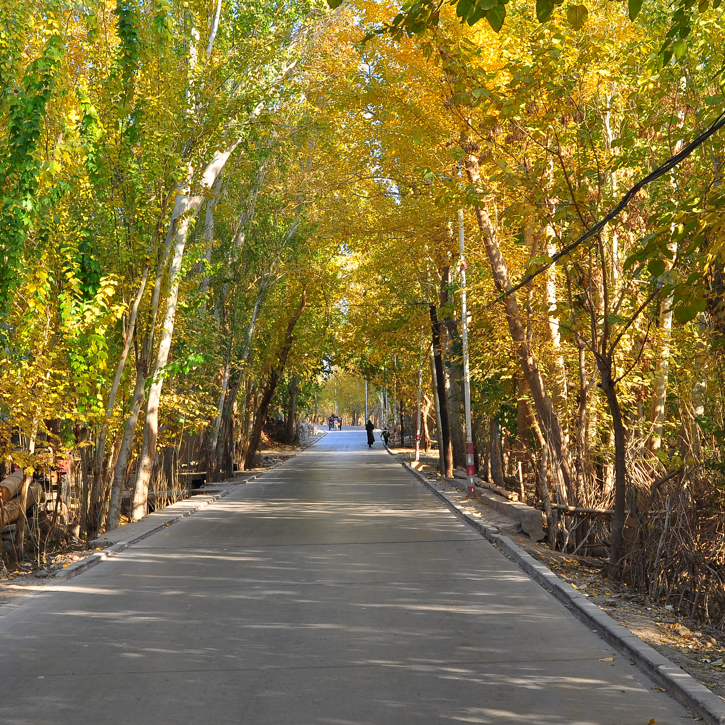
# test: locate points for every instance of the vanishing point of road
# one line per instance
(335, 590)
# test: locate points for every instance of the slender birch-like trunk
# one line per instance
(659, 394)
(260, 417)
(209, 233)
(559, 391)
(129, 433)
(446, 452)
(437, 410)
(223, 394)
(542, 401)
(186, 207)
(148, 450)
(292, 411)
(27, 480)
(662, 365)
(454, 378)
(124, 454)
(96, 508)
(223, 453)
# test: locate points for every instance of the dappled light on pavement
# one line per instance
(336, 590)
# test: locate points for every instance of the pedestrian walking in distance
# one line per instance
(369, 427)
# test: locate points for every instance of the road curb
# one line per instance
(675, 681)
(164, 522)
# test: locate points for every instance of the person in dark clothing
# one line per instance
(369, 427)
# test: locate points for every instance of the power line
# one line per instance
(656, 174)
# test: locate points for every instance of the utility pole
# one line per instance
(466, 369)
(420, 385)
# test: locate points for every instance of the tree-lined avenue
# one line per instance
(333, 590)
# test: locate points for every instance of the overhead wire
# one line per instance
(592, 231)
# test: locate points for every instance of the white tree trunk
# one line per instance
(185, 208)
(659, 394)
(95, 513)
(542, 401)
(148, 450)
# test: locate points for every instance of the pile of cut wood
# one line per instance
(10, 490)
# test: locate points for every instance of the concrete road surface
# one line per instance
(334, 591)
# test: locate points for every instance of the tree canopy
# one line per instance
(211, 209)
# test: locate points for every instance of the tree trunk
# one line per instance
(497, 471)
(27, 480)
(224, 453)
(185, 208)
(95, 512)
(559, 388)
(453, 378)
(447, 450)
(148, 450)
(659, 394)
(292, 411)
(402, 424)
(124, 454)
(260, 417)
(425, 411)
(544, 407)
(551, 517)
(620, 465)
(523, 429)
(222, 397)
(436, 405)
(209, 234)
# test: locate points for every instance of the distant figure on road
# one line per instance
(339, 423)
(386, 436)
(369, 427)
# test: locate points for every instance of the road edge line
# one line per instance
(680, 685)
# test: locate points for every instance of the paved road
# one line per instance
(334, 591)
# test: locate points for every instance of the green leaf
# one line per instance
(634, 7)
(679, 48)
(334, 4)
(495, 16)
(685, 313)
(656, 267)
(544, 8)
(464, 8)
(577, 16)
